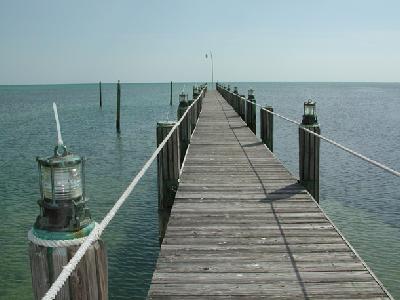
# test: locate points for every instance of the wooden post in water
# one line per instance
(118, 125)
(309, 146)
(251, 111)
(170, 101)
(267, 127)
(185, 127)
(59, 230)
(101, 99)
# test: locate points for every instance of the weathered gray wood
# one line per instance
(91, 268)
(242, 227)
(102, 269)
(60, 259)
(39, 270)
(87, 281)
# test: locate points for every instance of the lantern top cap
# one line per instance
(250, 91)
(309, 102)
(60, 159)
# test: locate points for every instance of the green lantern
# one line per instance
(310, 113)
(250, 94)
(183, 97)
(62, 189)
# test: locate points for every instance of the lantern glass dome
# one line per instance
(309, 108)
(67, 182)
(61, 177)
(250, 92)
(182, 97)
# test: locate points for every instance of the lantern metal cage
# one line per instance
(310, 113)
(62, 189)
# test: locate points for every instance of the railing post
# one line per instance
(251, 112)
(236, 99)
(309, 145)
(56, 235)
(168, 164)
(192, 115)
(184, 128)
(242, 107)
(267, 127)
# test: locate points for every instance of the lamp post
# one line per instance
(212, 68)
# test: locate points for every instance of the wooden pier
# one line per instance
(242, 227)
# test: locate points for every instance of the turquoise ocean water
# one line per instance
(363, 201)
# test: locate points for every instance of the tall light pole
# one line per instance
(212, 68)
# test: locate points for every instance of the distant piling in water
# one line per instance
(118, 125)
(170, 100)
(101, 99)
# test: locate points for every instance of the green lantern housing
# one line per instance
(183, 97)
(62, 189)
(250, 94)
(310, 113)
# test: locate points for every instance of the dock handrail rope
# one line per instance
(98, 230)
(355, 153)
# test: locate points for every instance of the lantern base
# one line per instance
(71, 215)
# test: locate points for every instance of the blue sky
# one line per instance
(48, 41)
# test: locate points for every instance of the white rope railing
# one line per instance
(355, 153)
(98, 230)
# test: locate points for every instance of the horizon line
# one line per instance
(182, 82)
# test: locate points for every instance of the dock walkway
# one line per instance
(242, 227)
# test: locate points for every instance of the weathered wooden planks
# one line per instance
(243, 228)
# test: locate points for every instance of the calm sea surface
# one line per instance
(363, 201)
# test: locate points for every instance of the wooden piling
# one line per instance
(88, 281)
(242, 107)
(309, 146)
(251, 112)
(101, 100)
(192, 116)
(170, 101)
(168, 164)
(267, 127)
(118, 125)
(185, 126)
